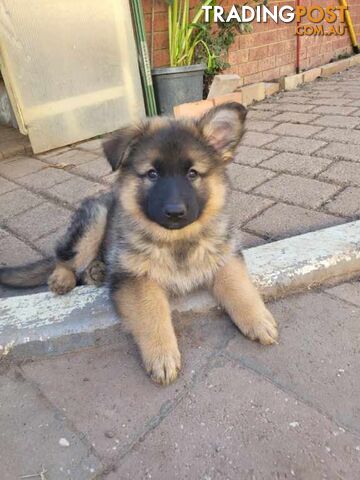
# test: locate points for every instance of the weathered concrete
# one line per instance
(44, 324)
(223, 84)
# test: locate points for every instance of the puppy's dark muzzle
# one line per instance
(172, 202)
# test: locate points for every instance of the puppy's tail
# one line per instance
(31, 275)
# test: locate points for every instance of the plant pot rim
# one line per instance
(182, 69)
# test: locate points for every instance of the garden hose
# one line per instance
(144, 60)
(350, 26)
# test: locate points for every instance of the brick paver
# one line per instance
(39, 221)
(304, 192)
(252, 156)
(245, 178)
(296, 164)
(239, 410)
(347, 203)
(296, 145)
(297, 169)
(345, 173)
(338, 121)
(295, 130)
(256, 139)
(283, 220)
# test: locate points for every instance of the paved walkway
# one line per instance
(298, 169)
(238, 410)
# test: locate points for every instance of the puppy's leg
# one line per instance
(80, 245)
(235, 291)
(145, 310)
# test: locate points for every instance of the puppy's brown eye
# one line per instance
(152, 174)
(192, 174)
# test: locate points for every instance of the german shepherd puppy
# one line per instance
(163, 230)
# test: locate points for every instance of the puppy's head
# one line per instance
(172, 171)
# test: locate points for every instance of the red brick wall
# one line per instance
(269, 51)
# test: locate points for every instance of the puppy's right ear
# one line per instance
(117, 148)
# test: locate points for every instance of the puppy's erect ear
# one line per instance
(223, 127)
(117, 148)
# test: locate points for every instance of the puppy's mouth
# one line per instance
(176, 224)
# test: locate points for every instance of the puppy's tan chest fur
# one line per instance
(179, 267)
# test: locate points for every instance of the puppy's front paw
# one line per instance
(163, 365)
(61, 280)
(262, 327)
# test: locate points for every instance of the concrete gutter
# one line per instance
(43, 324)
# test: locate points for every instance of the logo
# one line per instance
(308, 18)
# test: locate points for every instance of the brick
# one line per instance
(296, 164)
(194, 109)
(15, 252)
(259, 125)
(284, 107)
(6, 186)
(333, 101)
(197, 448)
(259, 115)
(45, 178)
(296, 130)
(342, 173)
(38, 221)
(72, 157)
(223, 84)
(271, 88)
(355, 60)
(339, 151)
(19, 167)
(346, 203)
(34, 426)
(245, 178)
(229, 97)
(74, 191)
(10, 148)
(319, 335)
(17, 201)
(291, 82)
(95, 169)
(294, 117)
(341, 135)
(251, 156)
(350, 292)
(255, 139)
(296, 145)
(334, 67)
(301, 191)
(281, 221)
(290, 98)
(333, 110)
(244, 206)
(311, 75)
(339, 121)
(91, 145)
(253, 93)
(248, 240)
(47, 243)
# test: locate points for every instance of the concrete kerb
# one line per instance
(43, 324)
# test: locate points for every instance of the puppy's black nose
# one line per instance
(175, 210)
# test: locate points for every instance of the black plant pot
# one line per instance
(176, 85)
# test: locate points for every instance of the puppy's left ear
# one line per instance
(223, 127)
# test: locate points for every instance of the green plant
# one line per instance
(185, 34)
(216, 41)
